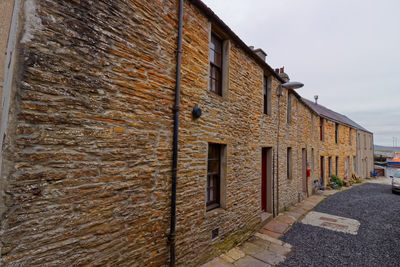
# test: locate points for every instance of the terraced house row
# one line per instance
(137, 133)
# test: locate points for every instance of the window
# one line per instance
(365, 141)
(289, 108)
(216, 64)
(337, 166)
(214, 176)
(336, 133)
(350, 141)
(289, 163)
(312, 124)
(312, 160)
(329, 167)
(267, 95)
(354, 165)
(371, 142)
(321, 129)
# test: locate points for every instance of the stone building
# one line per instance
(87, 135)
(345, 146)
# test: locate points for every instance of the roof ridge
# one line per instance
(333, 115)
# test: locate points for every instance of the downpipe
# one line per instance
(277, 156)
(171, 236)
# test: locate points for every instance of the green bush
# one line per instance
(335, 182)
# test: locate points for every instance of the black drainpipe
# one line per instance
(171, 237)
(277, 155)
(273, 183)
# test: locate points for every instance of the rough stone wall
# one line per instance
(234, 120)
(87, 155)
(300, 134)
(365, 159)
(342, 149)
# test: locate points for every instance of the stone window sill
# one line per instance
(215, 212)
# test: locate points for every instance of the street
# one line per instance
(375, 243)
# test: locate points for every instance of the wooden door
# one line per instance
(266, 181)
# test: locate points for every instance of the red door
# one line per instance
(264, 181)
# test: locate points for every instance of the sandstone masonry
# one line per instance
(87, 148)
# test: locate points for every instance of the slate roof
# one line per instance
(332, 115)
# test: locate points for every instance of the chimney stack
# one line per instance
(316, 99)
(259, 52)
(283, 75)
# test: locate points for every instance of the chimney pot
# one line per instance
(284, 75)
(316, 99)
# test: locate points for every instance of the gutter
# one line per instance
(171, 236)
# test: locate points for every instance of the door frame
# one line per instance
(304, 169)
(322, 174)
(266, 179)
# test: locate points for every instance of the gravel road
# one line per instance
(376, 244)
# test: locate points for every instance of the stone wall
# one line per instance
(87, 157)
(365, 153)
(88, 150)
(341, 150)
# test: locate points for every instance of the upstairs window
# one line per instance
(350, 141)
(371, 142)
(336, 133)
(216, 64)
(321, 129)
(289, 108)
(365, 141)
(267, 95)
(312, 124)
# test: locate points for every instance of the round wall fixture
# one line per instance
(196, 112)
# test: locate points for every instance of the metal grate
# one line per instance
(215, 233)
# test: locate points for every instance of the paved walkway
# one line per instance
(265, 248)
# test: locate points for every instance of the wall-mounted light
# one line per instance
(196, 112)
(289, 85)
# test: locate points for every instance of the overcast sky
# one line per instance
(345, 51)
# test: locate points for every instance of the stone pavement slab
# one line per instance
(332, 222)
(233, 255)
(286, 218)
(272, 234)
(218, 262)
(270, 257)
(250, 261)
(276, 226)
(295, 215)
